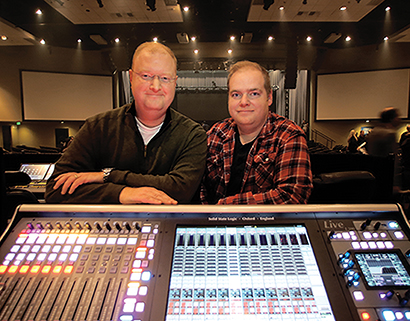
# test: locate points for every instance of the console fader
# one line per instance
(302, 262)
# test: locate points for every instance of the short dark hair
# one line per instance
(388, 114)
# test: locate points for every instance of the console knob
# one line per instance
(117, 226)
(107, 226)
(49, 226)
(68, 226)
(98, 226)
(136, 226)
(59, 226)
(127, 226)
(88, 226)
(78, 225)
(30, 226)
(377, 225)
(365, 224)
(40, 226)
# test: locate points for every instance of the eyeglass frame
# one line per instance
(152, 77)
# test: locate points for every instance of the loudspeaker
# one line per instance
(61, 135)
(291, 63)
(7, 141)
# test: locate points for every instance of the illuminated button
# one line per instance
(354, 237)
(146, 229)
(150, 243)
(129, 305)
(399, 234)
(375, 235)
(121, 241)
(365, 316)
(155, 231)
(101, 240)
(111, 240)
(31, 257)
(356, 245)
(32, 238)
(57, 269)
(35, 269)
(82, 239)
(25, 248)
(383, 235)
(380, 245)
(63, 257)
(3, 268)
(52, 238)
(46, 269)
(52, 257)
(15, 248)
(56, 249)
(21, 239)
(61, 239)
(389, 244)
(42, 239)
(126, 318)
(72, 238)
(24, 269)
(20, 257)
(135, 276)
(77, 249)
(146, 276)
(143, 290)
(140, 307)
(132, 241)
(388, 315)
(399, 315)
(132, 291)
(13, 269)
(68, 269)
(393, 224)
(91, 240)
(136, 264)
(358, 295)
(36, 248)
(73, 257)
(364, 245)
(41, 257)
(367, 235)
(140, 254)
(46, 248)
(10, 257)
(66, 249)
(346, 235)
(372, 245)
(407, 315)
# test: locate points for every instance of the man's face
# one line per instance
(152, 97)
(248, 100)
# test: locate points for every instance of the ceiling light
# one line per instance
(193, 38)
(196, 51)
(270, 38)
(232, 38)
(155, 39)
(117, 40)
(39, 11)
(281, 8)
(79, 40)
(386, 38)
(348, 38)
(4, 37)
(186, 9)
(308, 38)
(387, 9)
(342, 8)
(42, 41)
(304, 2)
(229, 51)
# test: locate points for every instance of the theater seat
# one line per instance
(349, 187)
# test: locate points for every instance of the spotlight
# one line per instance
(100, 4)
(151, 5)
(267, 4)
(305, 1)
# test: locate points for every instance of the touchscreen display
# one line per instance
(252, 273)
(383, 269)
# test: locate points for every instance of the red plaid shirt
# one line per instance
(277, 169)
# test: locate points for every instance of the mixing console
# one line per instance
(141, 263)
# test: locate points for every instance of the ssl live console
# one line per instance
(191, 263)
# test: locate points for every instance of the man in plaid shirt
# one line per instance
(255, 157)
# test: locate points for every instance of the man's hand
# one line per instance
(72, 180)
(145, 195)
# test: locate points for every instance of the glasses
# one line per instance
(148, 77)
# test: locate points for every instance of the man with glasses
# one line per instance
(255, 157)
(144, 152)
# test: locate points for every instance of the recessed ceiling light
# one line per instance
(386, 38)
(387, 9)
(193, 38)
(270, 38)
(196, 51)
(309, 38)
(281, 8)
(155, 39)
(4, 37)
(186, 9)
(232, 38)
(42, 41)
(348, 38)
(342, 8)
(79, 40)
(117, 40)
(229, 51)
(39, 11)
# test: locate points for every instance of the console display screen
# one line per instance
(383, 269)
(245, 272)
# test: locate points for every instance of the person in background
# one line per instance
(256, 156)
(405, 158)
(352, 143)
(143, 152)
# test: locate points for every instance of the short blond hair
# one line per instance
(153, 47)
(249, 64)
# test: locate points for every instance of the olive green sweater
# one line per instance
(173, 161)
